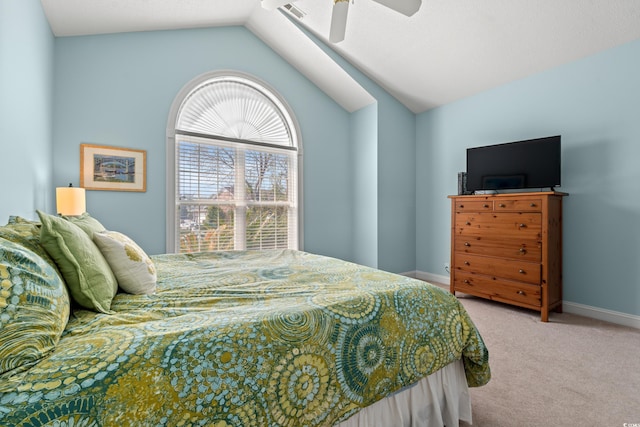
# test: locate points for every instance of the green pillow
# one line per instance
(88, 223)
(34, 307)
(130, 264)
(86, 272)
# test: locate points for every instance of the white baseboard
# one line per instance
(435, 279)
(605, 315)
(601, 314)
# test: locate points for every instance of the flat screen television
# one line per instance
(533, 163)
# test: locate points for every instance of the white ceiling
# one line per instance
(448, 50)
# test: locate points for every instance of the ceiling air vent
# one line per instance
(295, 11)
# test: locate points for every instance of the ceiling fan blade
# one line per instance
(406, 7)
(274, 4)
(338, 21)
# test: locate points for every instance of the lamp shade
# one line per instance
(70, 201)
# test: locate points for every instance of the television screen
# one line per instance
(534, 163)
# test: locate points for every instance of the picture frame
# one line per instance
(108, 168)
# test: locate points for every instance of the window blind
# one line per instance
(236, 170)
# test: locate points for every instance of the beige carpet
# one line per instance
(572, 371)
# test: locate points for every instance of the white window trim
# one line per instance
(171, 229)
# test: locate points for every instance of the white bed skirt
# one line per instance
(441, 399)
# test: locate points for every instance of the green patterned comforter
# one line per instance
(276, 338)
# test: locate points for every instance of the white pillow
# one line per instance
(132, 267)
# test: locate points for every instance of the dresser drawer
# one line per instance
(506, 225)
(521, 205)
(473, 205)
(499, 290)
(521, 271)
(520, 249)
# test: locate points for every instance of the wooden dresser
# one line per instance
(508, 248)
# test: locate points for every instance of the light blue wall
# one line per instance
(117, 90)
(395, 195)
(364, 179)
(396, 186)
(594, 104)
(26, 92)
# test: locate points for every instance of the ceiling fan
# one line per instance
(341, 9)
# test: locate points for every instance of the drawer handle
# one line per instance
(467, 263)
(501, 205)
(521, 271)
(523, 225)
(523, 251)
(467, 244)
(521, 293)
(485, 205)
(532, 205)
(468, 223)
(466, 281)
(461, 206)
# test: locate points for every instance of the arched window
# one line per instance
(232, 167)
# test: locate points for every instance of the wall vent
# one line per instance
(295, 11)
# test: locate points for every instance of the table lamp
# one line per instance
(70, 201)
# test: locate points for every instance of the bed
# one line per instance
(241, 338)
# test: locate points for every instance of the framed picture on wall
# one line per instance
(109, 168)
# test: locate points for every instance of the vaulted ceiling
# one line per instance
(448, 50)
